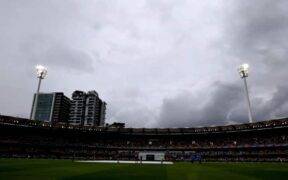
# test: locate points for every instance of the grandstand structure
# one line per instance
(265, 141)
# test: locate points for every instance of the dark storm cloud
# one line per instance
(217, 106)
(225, 104)
(275, 107)
(257, 30)
(43, 32)
(61, 56)
(138, 116)
(256, 33)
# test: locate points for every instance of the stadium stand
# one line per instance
(265, 141)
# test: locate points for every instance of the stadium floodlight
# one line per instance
(243, 71)
(41, 73)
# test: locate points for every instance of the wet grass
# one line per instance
(65, 169)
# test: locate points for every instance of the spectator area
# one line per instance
(261, 141)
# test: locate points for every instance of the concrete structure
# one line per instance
(77, 108)
(151, 156)
(87, 109)
(102, 113)
(61, 108)
(51, 107)
(92, 109)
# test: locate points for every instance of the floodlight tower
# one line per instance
(41, 73)
(243, 71)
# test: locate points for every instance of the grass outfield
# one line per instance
(64, 169)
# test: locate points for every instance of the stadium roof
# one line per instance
(269, 124)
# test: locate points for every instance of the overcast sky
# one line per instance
(157, 63)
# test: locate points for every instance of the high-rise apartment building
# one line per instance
(51, 107)
(87, 109)
(102, 113)
(61, 108)
(77, 108)
(92, 109)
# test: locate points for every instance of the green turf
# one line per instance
(62, 169)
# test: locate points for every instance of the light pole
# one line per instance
(243, 71)
(41, 73)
